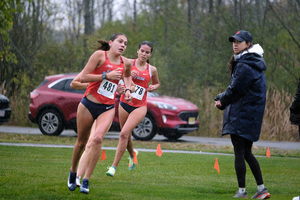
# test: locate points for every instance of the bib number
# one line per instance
(107, 89)
(138, 92)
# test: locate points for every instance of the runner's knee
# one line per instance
(96, 140)
(124, 135)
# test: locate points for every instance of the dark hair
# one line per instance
(104, 45)
(148, 44)
(230, 63)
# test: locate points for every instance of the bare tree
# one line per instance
(289, 5)
(134, 13)
(166, 27)
(74, 13)
(26, 38)
(89, 25)
(109, 7)
(211, 6)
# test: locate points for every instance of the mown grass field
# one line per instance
(42, 172)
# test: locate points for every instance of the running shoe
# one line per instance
(84, 188)
(131, 163)
(72, 181)
(263, 194)
(111, 171)
(241, 195)
(78, 181)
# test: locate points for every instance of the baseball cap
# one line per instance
(241, 36)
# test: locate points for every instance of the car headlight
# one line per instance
(164, 105)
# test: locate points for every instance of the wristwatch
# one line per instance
(103, 76)
(127, 89)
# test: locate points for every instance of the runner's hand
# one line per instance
(150, 88)
(115, 74)
(128, 96)
(121, 88)
(134, 73)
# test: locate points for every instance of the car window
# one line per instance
(42, 83)
(59, 85)
(64, 85)
(4, 102)
(69, 89)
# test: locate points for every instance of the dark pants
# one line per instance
(242, 152)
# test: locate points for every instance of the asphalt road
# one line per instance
(187, 139)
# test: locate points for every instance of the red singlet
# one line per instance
(105, 91)
(141, 84)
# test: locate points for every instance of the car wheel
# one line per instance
(172, 135)
(51, 123)
(146, 130)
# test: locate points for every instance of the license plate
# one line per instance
(192, 120)
(2, 113)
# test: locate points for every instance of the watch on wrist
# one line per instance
(127, 89)
(104, 76)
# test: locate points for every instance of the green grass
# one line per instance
(41, 173)
(27, 138)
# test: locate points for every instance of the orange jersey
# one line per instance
(105, 91)
(141, 85)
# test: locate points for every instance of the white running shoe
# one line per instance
(72, 181)
(264, 194)
(241, 195)
(84, 188)
(111, 171)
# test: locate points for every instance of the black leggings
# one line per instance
(242, 152)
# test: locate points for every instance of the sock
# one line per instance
(85, 180)
(242, 190)
(260, 187)
(73, 177)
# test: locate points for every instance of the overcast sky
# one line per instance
(118, 11)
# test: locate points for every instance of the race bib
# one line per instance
(107, 89)
(138, 92)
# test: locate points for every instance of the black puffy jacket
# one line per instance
(245, 98)
(295, 108)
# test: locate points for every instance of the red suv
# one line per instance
(53, 106)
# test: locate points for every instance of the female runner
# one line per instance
(103, 71)
(131, 114)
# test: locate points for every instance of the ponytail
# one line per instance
(104, 45)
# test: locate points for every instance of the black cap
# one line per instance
(241, 36)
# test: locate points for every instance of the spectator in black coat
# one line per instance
(244, 103)
(295, 109)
